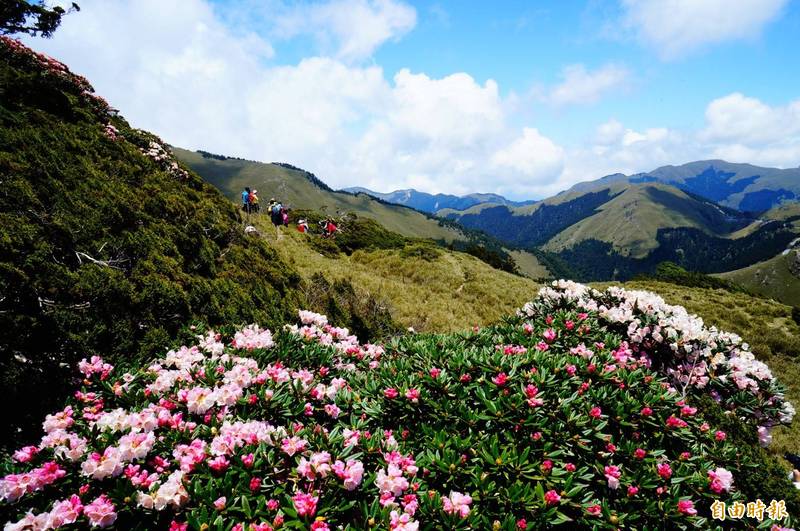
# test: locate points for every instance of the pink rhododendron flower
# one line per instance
(530, 392)
(305, 504)
(178, 526)
(675, 422)
(633, 491)
(551, 497)
(413, 395)
(402, 522)
(720, 435)
(220, 503)
(501, 379)
(541, 346)
(595, 412)
(293, 445)
(594, 510)
(14, 486)
(613, 474)
(721, 480)
(664, 470)
(391, 393)
(687, 507)
(219, 464)
(350, 473)
(549, 335)
(457, 503)
(434, 372)
(332, 410)
(100, 512)
(639, 453)
(25, 454)
(391, 480)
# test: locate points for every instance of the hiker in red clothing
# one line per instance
(330, 228)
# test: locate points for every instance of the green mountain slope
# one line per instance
(778, 277)
(623, 229)
(300, 189)
(631, 220)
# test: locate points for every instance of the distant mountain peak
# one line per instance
(738, 185)
(433, 203)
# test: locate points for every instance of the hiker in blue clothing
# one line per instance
(246, 199)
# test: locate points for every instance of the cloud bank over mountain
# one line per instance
(340, 114)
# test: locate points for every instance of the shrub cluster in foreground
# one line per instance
(106, 243)
(565, 414)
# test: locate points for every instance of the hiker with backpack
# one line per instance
(253, 201)
(246, 199)
(276, 215)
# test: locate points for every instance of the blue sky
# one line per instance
(520, 98)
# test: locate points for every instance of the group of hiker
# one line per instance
(327, 226)
(279, 214)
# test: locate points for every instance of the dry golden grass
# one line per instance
(451, 292)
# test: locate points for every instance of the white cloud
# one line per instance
(533, 155)
(196, 82)
(677, 27)
(745, 129)
(581, 86)
(354, 28)
(619, 149)
(749, 120)
(201, 84)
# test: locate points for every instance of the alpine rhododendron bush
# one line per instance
(564, 414)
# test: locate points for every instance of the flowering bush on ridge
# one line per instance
(677, 344)
(548, 418)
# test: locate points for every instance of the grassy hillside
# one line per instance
(768, 326)
(778, 277)
(302, 190)
(299, 189)
(427, 288)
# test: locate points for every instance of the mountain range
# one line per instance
(742, 186)
(432, 203)
(615, 227)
